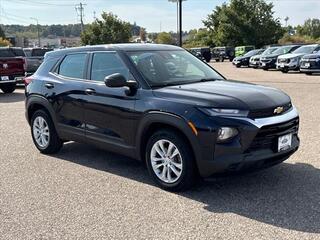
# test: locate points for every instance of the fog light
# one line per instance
(226, 133)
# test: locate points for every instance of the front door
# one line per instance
(109, 112)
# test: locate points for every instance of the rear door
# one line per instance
(109, 112)
(64, 90)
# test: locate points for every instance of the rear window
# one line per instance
(73, 66)
(18, 52)
(6, 53)
(10, 52)
(39, 52)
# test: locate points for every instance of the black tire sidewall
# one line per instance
(188, 167)
(54, 142)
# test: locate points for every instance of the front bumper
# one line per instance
(267, 64)
(254, 64)
(288, 66)
(251, 149)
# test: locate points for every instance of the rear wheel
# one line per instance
(8, 88)
(44, 134)
(170, 161)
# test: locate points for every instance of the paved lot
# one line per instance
(85, 193)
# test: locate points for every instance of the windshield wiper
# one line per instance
(208, 79)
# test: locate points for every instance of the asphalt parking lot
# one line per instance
(86, 193)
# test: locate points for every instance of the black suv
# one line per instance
(161, 105)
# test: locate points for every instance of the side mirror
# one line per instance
(117, 80)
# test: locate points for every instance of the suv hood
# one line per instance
(291, 55)
(312, 56)
(225, 94)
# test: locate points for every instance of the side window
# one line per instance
(73, 66)
(105, 64)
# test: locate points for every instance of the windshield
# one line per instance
(283, 50)
(305, 49)
(164, 68)
(252, 53)
(269, 50)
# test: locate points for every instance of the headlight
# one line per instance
(224, 112)
(226, 133)
(296, 59)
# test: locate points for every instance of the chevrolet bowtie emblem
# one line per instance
(5, 65)
(278, 110)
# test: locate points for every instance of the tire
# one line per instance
(221, 59)
(284, 70)
(265, 69)
(309, 73)
(217, 60)
(8, 88)
(184, 159)
(54, 143)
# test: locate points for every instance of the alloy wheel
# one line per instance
(41, 132)
(166, 161)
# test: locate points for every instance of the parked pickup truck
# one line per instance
(34, 57)
(12, 68)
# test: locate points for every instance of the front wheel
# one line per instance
(8, 88)
(170, 161)
(44, 134)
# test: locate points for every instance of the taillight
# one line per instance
(28, 80)
(24, 64)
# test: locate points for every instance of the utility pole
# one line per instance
(38, 29)
(180, 23)
(179, 19)
(80, 11)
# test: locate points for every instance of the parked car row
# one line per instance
(16, 63)
(303, 58)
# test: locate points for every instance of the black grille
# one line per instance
(267, 137)
(268, 112)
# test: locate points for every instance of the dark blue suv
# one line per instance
(161, 105)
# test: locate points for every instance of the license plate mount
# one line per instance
(284, 142)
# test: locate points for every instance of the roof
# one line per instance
(115, 47)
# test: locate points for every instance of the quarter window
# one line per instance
(73, 66)
(105, 64)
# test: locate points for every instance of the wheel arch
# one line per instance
(154, 121)
(35, 103)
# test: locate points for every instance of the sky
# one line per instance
(154, 15)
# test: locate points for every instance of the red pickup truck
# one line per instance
(12, 68)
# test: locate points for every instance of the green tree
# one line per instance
(110, 29)
(311, 27)
(2, 35)
(198, 38)
(244, 22)
(164, 38)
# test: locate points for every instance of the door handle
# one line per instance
(49, 85)
(90, 91)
